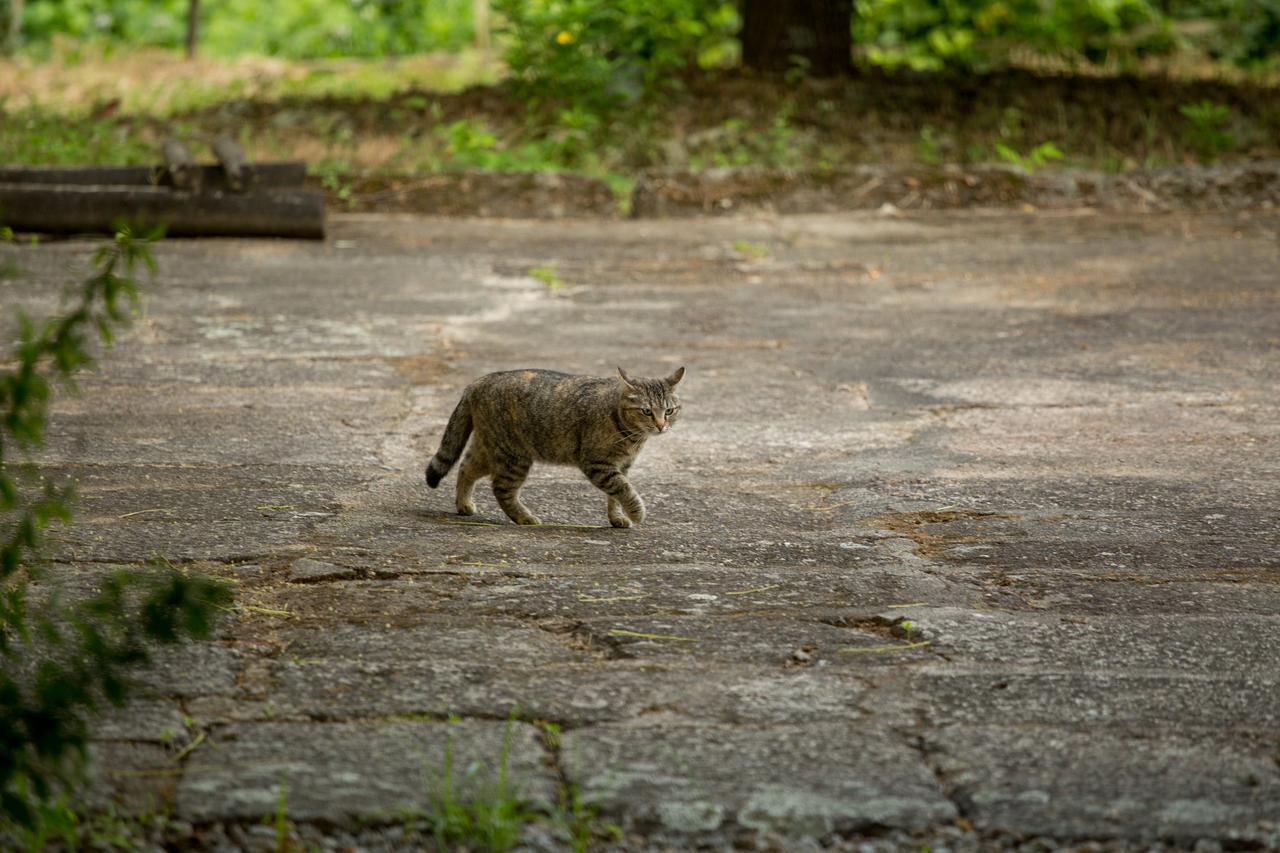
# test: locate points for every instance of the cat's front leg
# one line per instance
(609, 479)
(617, 517)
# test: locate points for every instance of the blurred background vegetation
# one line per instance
(920, 34)
(366, 89)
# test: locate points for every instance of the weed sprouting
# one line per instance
(548, 275)
(578, 819)
(1032, 160)
(1208, 135)
(928, 147)
(751, 251)
(466, 811)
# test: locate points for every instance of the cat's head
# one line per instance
(650, 405)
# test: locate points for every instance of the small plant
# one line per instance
(279, 821)
(1032, 160)
(579, 820)
(491, 816)
(549, 276)
(908, 629)
(751, 251)
(335, 176)
(62, 664)
(1208, 135)
(928, 147)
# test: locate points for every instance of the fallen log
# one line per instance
(289, 173)
(66, 209)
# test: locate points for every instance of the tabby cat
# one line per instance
(597, 424)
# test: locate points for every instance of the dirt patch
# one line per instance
(930, 544)
(420, 369)
(517, 195)
(673, 194)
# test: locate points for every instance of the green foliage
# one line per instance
(579, 821)
(279, 820)
(61, 663)
(1241, 32)
(1208, 134)
(751, 251)
(549, 276)
(604, 52)
(1033, 159)
(290, 28)
(738, 142)
(37, 137)
(925, 35)
(489, 817)
(602, 56)
(929, 147)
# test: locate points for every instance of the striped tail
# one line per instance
(455, 439)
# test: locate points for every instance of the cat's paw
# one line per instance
(619, 521)
(528, 519)
(467, 508)
(636, 513)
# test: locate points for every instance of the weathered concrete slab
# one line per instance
(1088, 783)
(339, 771)
(1048, 441)
(1177, 703)
(129, 778)
(667, 774)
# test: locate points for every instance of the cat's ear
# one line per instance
(626, 378)
(674, 378)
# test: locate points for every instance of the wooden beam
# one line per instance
(63, 209)
(289, 173)
(181, 165)
(236, 166)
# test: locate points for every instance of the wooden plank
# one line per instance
(289, 173)
(62, 209)
(234, 163)
(181, 165)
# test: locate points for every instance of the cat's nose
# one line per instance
(661, 422)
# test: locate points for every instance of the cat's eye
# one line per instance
(647, 411)
(669, 411)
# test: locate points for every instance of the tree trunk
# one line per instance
(193, 27)
(480, 17)
(11, 27)
(778, 35)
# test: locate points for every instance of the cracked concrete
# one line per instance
(1046, 440)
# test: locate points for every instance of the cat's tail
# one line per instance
(455, 438)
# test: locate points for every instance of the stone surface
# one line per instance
(374, 770)
(307, 570)
(1143, 785)
(671, 775)
(1049, 441)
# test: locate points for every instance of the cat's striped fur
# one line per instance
(518, 417)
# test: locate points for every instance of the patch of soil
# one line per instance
(929, 543)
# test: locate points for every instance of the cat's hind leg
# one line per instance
(474, 466)
(509, 474)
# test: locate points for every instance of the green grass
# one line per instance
(492, 814)
(549, 276)
(360, 119)
(751, 251)
(35, 136)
